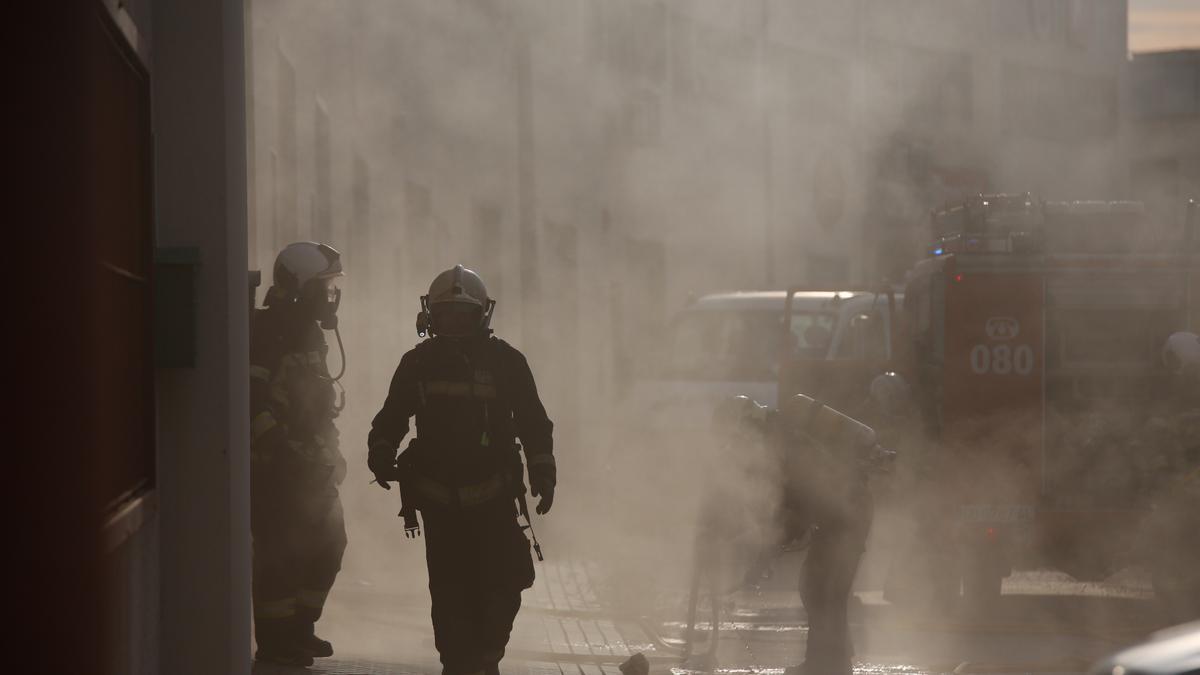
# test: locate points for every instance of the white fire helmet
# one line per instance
(891, 394)
(1181, 353)
(737, 414)
(301, 264)
(458, 287)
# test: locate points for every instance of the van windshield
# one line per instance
(741, 344)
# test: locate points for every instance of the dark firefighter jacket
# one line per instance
(294, 444)
(472, 399)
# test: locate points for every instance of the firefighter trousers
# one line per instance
(838, 543)
(479, 563)
(297, 556)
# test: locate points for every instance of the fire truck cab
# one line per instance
(1033, 338)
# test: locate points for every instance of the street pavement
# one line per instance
(1046, 623)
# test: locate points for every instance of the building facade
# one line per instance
(1164, 130)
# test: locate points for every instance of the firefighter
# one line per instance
(296, 466)
(1175, 514)
(473, 396)
(1180, 423)
(826, 459)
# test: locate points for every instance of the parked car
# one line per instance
(1174, 651)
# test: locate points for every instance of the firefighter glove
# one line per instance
(546, 494)
(381, 461)
(542, 479)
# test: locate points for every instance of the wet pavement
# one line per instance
(1045, 623)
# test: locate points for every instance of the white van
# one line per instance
(725, 344)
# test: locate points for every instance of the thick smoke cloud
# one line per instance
(597, 161)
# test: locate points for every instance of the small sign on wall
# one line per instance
(175, 280)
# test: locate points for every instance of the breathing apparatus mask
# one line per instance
(305, 279)
(321, 300)
(451, 319)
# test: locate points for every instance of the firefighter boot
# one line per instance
(277, 644)
(309, 643)
(305, 637)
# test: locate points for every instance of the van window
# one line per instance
(741, 345)
(863, 338)
(811, 334)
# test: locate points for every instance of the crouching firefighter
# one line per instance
(473, 396)
(296, 466)
(826, 458)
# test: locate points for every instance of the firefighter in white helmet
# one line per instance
(1175, 517)
(1181, 356)
(828, 457)
(473, 396)
(296, 466)
(825, 458)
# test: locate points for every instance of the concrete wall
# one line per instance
(199, 112)
(132, 578)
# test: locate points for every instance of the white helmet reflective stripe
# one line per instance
(458, 285)
(302, 262)
(1182, 351)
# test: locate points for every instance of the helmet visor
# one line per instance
(456, 319)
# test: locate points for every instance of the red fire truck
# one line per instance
(1033, 338)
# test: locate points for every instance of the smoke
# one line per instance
(599, 161)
